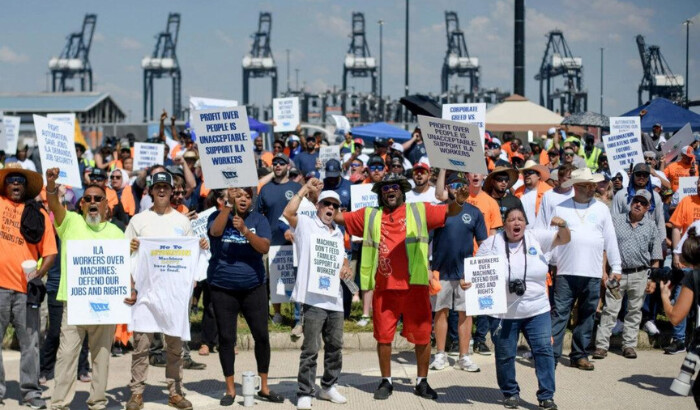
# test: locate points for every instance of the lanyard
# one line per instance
(508, 256)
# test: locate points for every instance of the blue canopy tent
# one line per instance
(380, 129)
(671, 116)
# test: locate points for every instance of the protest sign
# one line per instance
(487, 295)
(98, 280)
(621, 125)
(225, 148)
(68, 117)
(147, 155)
(687, 186)
(327, 152)
(623, 150)
(474, 113)
(453, 145)
(342, 125)
(199, 227)
(11, 132)
(57, 149)
(201, 103)
(361, 196)
(326, 259)
(281, 268)
(285, 112)
(680, 139)
(3, 137)
(307, 208)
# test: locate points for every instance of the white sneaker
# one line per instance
(650, 328)
(617, 329)
(527, 355)
(439, 361)
(304, 402)
(332, 395)
(465, 363)
(364, 321)
(277, 319)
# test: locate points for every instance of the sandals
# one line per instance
(204, 350)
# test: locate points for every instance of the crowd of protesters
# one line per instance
(577, 238)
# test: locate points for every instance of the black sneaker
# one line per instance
(675, 347)
(117, 350)
(384, 390)
(424, 390)
(227, 400)
(481, 348)
(157, 360)
(548, 404)
(192, 365)
(35, 403)
(511, 402)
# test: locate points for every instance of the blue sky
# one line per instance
(215, 35)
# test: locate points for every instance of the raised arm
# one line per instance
(440, 191)
(290, 211)
(563, 233)
(59, 213)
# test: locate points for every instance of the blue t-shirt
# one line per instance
(272, 200)
(234, 264)
(53, 277)
(306, 162)
(343, 191)
(455, 241)
(416, 152)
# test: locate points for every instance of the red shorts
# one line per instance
(412, 304)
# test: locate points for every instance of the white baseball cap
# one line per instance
(329, 195)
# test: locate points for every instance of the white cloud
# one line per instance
(129, 43)
(7, 55)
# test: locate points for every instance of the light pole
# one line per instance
(296, 70)
(601, 81)
(687, 38)
(381, 68)
(406, 65)
(288, 87)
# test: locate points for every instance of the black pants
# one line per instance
(252, 303)
(210, 333)
(47, 358)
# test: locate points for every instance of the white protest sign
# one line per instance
(680, 139)
(327, 152)
(57, 149)
(285, 111)
(342, 124)
(281, 268)
(487, 295)
(623, 150)
(98, 279)
(202, 103)
(621, 125)
(225, 147)
(453, 145)
(199, 226)
(326, 259)
(68, 117)
(687, 186)
(361, 196)
(11, 132)
(147, 155)
(473, 113)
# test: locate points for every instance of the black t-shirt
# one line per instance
(691, 280)
(507, 202)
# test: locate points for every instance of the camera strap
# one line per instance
(505, 240)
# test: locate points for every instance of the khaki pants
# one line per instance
(139, 363)
(100, 342)
(634, 285)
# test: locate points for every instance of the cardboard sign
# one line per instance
(326, 259)
(57, 149)
(621, 125)
(327, 152)
(680, 139)
(623, 150)
(281, 269)
(147, 155)
(342, 125)
(98, 279)
(225, 148)
(285, 112)
(474, 113)
(361, 196)
(453, 145)
(487, 295)
(687, 186)
(11, 133)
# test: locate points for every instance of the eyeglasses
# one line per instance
(396, 165)
(278, 162)
(641, 175)
(456, 185)
(641, 201)
(97, 178)
(529, 172)
(178, 193)
(355, 165)
(568, 154)
(93, 198)
(16, 179)
(329, 203)
(501, 178)
(649, 158)
(376, 168)
(392, 187)
(115, 177)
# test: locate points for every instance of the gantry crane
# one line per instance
(658, 80)
(73, 61)
(163, 63)
(260, 62)
(457, 60)
(559, 61)
(358, 61)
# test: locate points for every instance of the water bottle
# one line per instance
(251, 385)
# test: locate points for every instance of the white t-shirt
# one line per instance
(427, 196)
(549, 201)
(150, 224)
(592, 233)
(306, 227)
(679, 248)
(537, 243)
(307, 208)
(28, 164)
(529, 200)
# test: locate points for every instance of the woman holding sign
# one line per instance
(528, 305)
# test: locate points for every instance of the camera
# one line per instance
(517, 286)
(665, 274)
(613, 286)
(682, 384)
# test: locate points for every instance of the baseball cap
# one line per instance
(161, 177)
(375, 160)
(359, 141)
(658, 124)
(644, 194)
(396, 146)
(380, 141)
(98, 173)
(456, 177)
(312, 174)
(551, 131)
(281, 156)
(190, 154)
(293, 172)
(688, 151)
(641, 167)
(493, 144)
(329, 195)
(421, 165)
(332, 168)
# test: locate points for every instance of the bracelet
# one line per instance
(54, 192)
(300, 197)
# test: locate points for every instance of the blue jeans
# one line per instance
(567, 290)
(452, 325)
(482, 327)
(538, 333)
(679, 329)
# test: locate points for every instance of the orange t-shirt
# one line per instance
(16, 250)
(508, 149)
(392, 269)
(674, 171)
(182, 209)
(687, 212)
(489, 207)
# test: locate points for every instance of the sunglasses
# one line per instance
(16, 179)
(97, 178)
(376, 168)
(568, 154)
(278, 162)
(178, 193)
(641, 201)
(93, 198)
(649, 158)
(355, 165)
(529, 172)
(616, 179)
(329, 203)
(456, 185)
(115, 177)
(392, 187)
(396, 166)
(553, 154)
(641, 175)
(501, 178)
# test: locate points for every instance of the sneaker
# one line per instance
(424, 390)
(192, 365)
(157, 360)
(548, 404)
(453, 350)
(439, 361)
(384, 390)
(297, 331)
(277, 319)
(618, 328)
(481, 348)
(35, 403)
(364, 321)
(465, 363)
(179, 402)
(675, 347)
(527, 355)
(85, 378)
(135, 402)
(227, 400)
(42, 380)
(117, 350)
(650, 328)
(332, 395)
(600, 353)
(304, 402)
(511, 402)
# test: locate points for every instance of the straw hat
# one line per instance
(581, 176)
(34, 180)
(540, 169)
(511, 172)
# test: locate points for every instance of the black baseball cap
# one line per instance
(98, 173)
(375, 160)
(332, 168)
(161, 177)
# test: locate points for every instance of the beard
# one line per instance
(93, 220)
